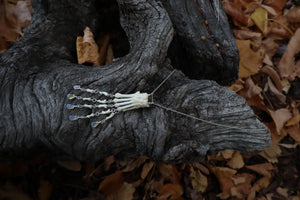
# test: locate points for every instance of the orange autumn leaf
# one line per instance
(87, 49)
(260, 18)
(170, 192)
(294, 120)
(111, 183)
(250, 61)
(294, 132)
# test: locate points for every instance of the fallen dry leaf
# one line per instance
(278, 5)
(270, 47)
(250, 61)
(264, 169)
(242, 184)
(270, 10)
(227, 154)
(9, 191)
(294, 120)
(45, 190)
(294, 132)
(260, 18)
(288, 66)
(199, 181)
(246, 34)
(252, 93)
(154, 185)
(271, 153)
(135, 163)
(289, 146)
(202, 168)
(108, 162)
(70, 165)
(146, 169)
(125, 193)
(111, 183)
(280, 116)
(236, 162)
(237, 86)
(103, 43)
(283, 192)
(262, 183)
(236, 13)
(165, 170)
(274, 91)
(242, 178)
(224, 176)
(170, 192)
(109, 55)
(274, 75)
(293, 14)
(285, 85)
(87, 49)
(10, 29)
(23, 12)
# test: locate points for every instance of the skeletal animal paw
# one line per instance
(107, 104)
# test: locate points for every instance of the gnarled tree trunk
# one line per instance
(38, 72)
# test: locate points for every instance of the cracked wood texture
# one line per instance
(204, 46)
(39, 70)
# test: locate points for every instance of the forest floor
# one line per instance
(268, 37)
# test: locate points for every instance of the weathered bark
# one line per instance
(202, 30)
(38, 72)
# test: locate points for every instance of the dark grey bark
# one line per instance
(38, 72)
(202, 30)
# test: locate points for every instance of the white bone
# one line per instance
(117, 102)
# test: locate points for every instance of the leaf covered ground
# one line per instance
(268, 37)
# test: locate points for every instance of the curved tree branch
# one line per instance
(204, 33)
(37, 74)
